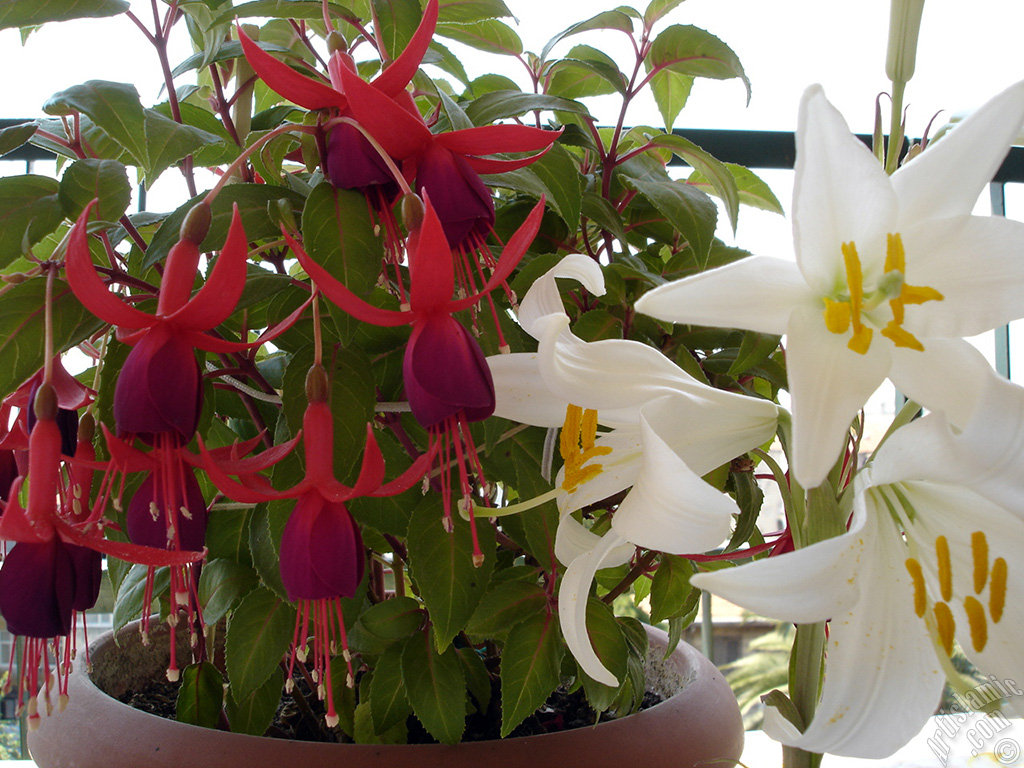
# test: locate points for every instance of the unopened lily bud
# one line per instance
(45, 404)
(317, 385)
(412, 212)
(197, 223)
(904, 27)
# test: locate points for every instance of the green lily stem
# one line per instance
(892, 153)
(804, 686)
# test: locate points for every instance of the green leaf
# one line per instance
(749, 498)
(490, 36)
(530, 668)
(602, 213)
(27, 14)
(689, 50)
(114, 107)
(338, 233)
(478, 678)
(505, 606)
(670, 588)
(85, 180)
(168, 141)
(396, 22)
(585, 71)
(558, 171)
(29, 210)
(610, 645)
(393, 619)
(657, 10)
(712, 169)
(441, 564)
(467, 11)
(753, 191)
(258, 636)
(450, 63)
(227, 535)
(436, 687)
(754, 350)
(263, 542)
(201, 696)
(22, 328)
(14, 136)
(222, 584)
(254, 713)
(128, 603)
(389, 704)
(606, 20)
(688, 210)
(280, 9)
(671, 91)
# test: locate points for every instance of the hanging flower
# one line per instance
(667, 431)
(54, 569)
(322, 557)
(900, 255)
(446, 377)
(930, 558)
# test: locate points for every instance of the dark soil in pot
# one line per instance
(698, 722)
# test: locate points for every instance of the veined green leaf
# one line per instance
(715, 171)
(29, 210)
(222, 584)
(468, 11)
(201, 695)
(505, 606)
(690, 50)
(258, 636)
(254, 713)
(752, 190)
(688, 210)
(89, 179)
(490, 36)
(606, 20)
(28, 14)
(436, 687)
(114, 107)
(389, 704)
(530, 662)
(443, 570)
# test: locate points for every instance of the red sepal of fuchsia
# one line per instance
(315, 94)
(186, 317)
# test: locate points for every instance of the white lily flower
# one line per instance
(930, 557)
(667, 431)
(901, 255)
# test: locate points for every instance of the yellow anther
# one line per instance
(945, 569)
(977, 622)
(997, 590)
(979, 549)
(577, 447)
(920, 596)
(895, 261)
(837, 315)
(946, 626)
(860, 341)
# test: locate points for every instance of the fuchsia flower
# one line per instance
(446, 165)
(54, 569)
(159, 390)
(447, 380)
(322, 556)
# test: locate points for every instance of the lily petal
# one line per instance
(948, 178)
(757, 293)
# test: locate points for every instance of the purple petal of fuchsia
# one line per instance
(88, 567)
(353, 163)
(146, 519)
(159, 388)
(321, 550)
(460, 198)
(37, 586)
(445, 372)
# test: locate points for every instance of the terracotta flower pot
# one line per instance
(699, 722)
